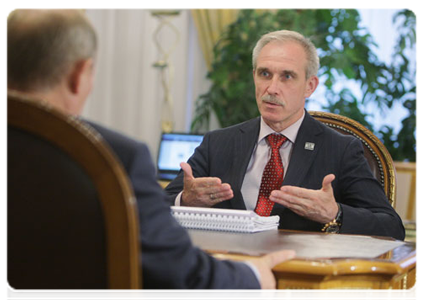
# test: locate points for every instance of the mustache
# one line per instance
(272, 99)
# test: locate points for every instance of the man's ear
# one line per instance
(81, 72)
(312, 84)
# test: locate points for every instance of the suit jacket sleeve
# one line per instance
(169, 260)
(366, 209)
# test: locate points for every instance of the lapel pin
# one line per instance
(309, 146)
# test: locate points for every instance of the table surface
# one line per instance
(394, 257)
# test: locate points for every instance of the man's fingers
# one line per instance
(187, 170)
(278, 257)
(327, 182)
(222, 196)
(218, 188)
(207, 190)
(265, 264)
(208, 182)
(293, 193)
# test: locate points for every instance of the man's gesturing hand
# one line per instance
(204, 191)
(265, 264)
(316, 205)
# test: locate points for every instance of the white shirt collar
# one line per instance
(290, 132)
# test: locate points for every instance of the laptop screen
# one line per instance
(174, 149)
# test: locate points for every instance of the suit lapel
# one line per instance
(302, 158)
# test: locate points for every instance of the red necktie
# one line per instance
(272, 176)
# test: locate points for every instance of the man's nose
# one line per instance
(273, 88)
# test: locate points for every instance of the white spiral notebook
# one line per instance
(223, 219)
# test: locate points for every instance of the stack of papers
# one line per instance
(234, 220)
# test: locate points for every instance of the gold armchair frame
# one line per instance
(87, 149)
(377, 155)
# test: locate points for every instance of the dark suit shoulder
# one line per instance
(244, 126)
(112, 135)
(123, 146)
(321, 128)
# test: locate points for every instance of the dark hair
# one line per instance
(42, 46)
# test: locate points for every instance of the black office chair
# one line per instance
(377, 155)
(71, 214)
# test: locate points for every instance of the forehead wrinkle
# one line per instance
(276, 56)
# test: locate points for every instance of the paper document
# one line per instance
(339, 245)
(234, 220)
(306, 245)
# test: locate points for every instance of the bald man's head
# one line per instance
(43, 45)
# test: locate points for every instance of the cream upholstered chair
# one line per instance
(71, 214)
(377, 155)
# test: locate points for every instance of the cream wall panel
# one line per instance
(128, 94)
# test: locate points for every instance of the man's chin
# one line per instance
(272, 117)
(272, 111)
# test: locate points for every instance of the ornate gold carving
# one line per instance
(367, 292)
(371, 142)
(300, 291)
(404, 288)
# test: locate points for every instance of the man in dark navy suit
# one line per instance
(326, 183)
(51, 57)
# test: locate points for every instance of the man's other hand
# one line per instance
(317, 205)
(264, 265)
(204, 191)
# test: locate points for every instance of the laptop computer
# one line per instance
(175, 148)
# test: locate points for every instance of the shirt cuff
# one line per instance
(254, 269)
(178, 199)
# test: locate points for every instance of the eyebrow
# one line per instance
(261, 69)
